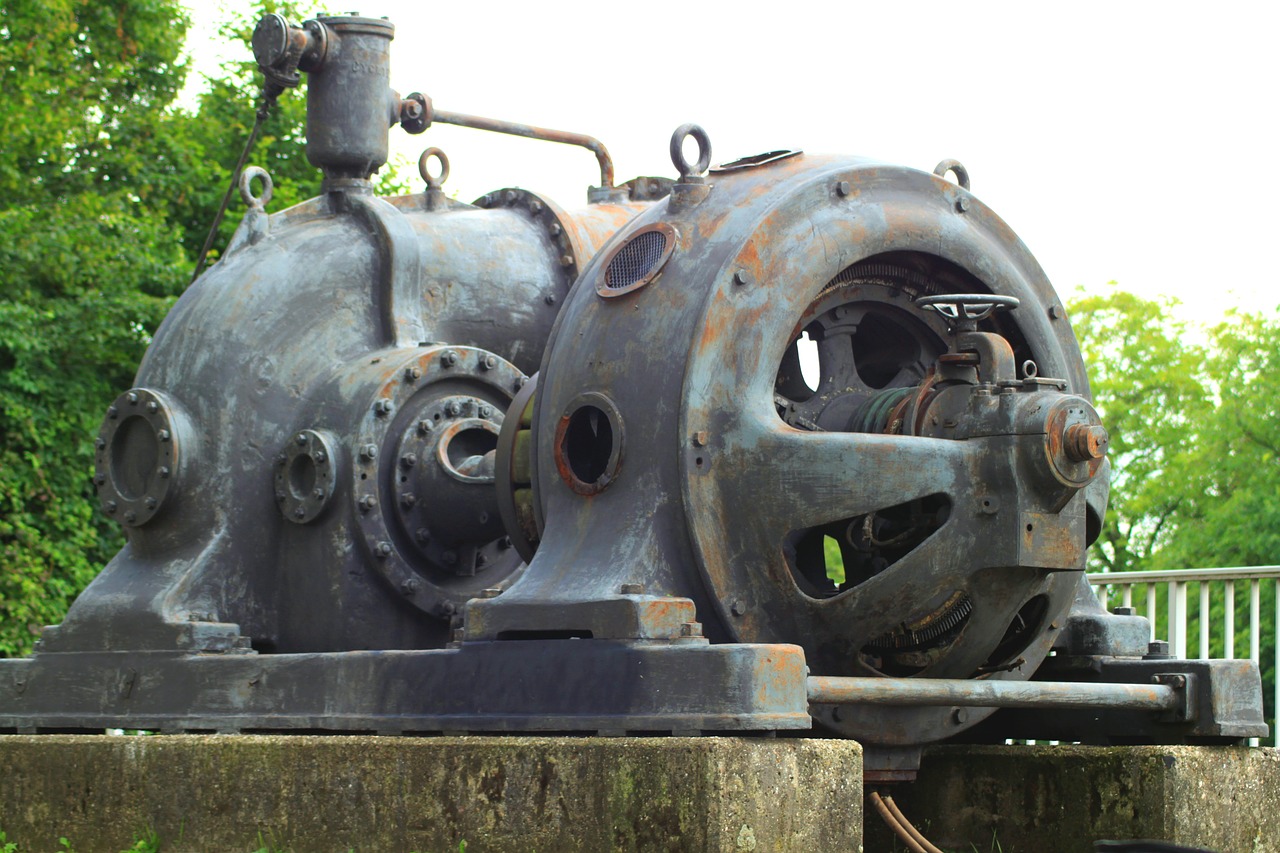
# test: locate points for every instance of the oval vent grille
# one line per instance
(637, 262)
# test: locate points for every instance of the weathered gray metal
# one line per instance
(334, 465)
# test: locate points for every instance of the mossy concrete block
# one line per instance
(1029, 799)
(525, 794)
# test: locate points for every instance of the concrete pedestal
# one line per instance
(1063, 798)
(386, 795)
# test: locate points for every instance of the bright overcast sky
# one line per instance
(1121, 140)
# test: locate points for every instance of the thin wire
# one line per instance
(268, 100)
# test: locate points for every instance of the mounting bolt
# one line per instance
(959, 716)
(491, 592)
(409, 586)
(481, 560)
(1157, 650)
(101, 444)
(425, 426)
(280, 496)
(367, 503)
(504, 543)
(738, 608)
(318, 494)
(690, 629)
(555, 229)
(150, 502)
(566, 260)
(130, 516)
(423, 535)
(408, 460)
(383, 549)
(382, 408)
(100, 479)
(412, 373)
(631, 589)
(408, 499)
(509, 196)
(163, 472)
(535, 207)
(113, 412)
(299, 512)
(153, 407)
(1056, 312)
(319, 457)
(486, 411)
(132, 398)
(1123, 611)
(162, 435)
(449, 358)
(459, 634)
(742, 278)
(110, 507)
(300, 439)
(453, 409)
(700, 438)
(550, 299)
(962, 204)
(843, 189)
(489, 362)
(369, 451)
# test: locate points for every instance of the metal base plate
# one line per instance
(578, 686)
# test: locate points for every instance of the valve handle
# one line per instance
(965, 310)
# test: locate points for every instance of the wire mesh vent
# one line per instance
(637, 260)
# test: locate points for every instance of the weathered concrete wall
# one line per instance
(525, 794)
(1063, 798)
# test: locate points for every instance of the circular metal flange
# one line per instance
(305, 475)
(588, 444)
(138, 456)
(422, 529)
(557, 224)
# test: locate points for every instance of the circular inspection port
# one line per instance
(302, 477)
(589, 444)
(133, 457)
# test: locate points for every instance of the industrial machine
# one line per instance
(795, 444)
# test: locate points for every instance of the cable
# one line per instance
(892, 822)
(269, 95)
(907, 825)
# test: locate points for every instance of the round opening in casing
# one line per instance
(589, 444)
(134, 451)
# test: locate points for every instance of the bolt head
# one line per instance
(101, 444)
(490, 593)
(408, 460)
(738, 608)
(163, 435)
(504, 543)
(300, 439)
(113, 412)
(742, 278)
(150, 502)
(383, 549)
(383, 407)
(319, 457)
(153, 407)
(566, 260)
(700, 438)
(962, 204)
(631, 589)
(132, 398)
(100, 480)
(510, 196)
(408, 499)
(843, 189)
(489, 362)
(413, 373)
(130, 516)
(555, 229)
(535, 207)
(409, 587)
(453, 409)
(449, 358)
(486, 411)
(163, 472)
(425, 426)
(369, 451)
(318, 494)
(110, 507)
(423, 535)
(549, 299)
(299, 513)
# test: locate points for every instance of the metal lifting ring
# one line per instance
(433, 181)
(677, 150)
(956, 168)
(246, 187)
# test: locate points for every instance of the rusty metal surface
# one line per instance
(333, 468)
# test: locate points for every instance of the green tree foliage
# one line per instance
(107, 190)
(1195, 449)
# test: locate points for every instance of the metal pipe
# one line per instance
(989, 694)
(532, 132)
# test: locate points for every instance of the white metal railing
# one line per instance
(1117, 589)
